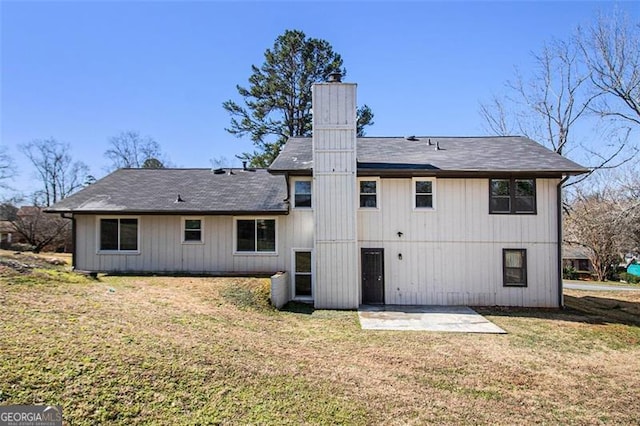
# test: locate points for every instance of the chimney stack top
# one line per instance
(334, 77)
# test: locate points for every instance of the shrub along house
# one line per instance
(416, 220)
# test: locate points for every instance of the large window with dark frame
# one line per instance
(302, 194)
(512, 196)
(514, 267)
(119, 234)
(256, 235)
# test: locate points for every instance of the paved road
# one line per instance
(576, 286)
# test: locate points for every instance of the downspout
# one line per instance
(559, 213)
(73, 239)
(288, 199)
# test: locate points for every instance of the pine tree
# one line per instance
(278, 100)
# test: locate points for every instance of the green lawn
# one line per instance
(154, 350)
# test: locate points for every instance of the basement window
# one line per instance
(118, 235)
(514, 267)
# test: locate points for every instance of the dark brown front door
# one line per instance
(372, 276)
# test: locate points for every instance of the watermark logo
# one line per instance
(31, 415)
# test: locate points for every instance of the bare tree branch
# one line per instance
(131, 150)
(41, 229)
(59, 175)
(546, 106)
(611, 50)
(560, 95)
(496, 117)
(7, 168)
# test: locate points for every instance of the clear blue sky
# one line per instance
(81, 72)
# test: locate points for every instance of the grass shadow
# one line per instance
(609, 310)
(186, 274)
(586, 309)
(298, 308)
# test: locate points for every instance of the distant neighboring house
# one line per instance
(577, 257)
(350, 221)
(7, 234)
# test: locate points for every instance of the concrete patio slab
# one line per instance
(460, 319)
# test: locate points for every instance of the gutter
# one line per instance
(559, 213)
(175, 212)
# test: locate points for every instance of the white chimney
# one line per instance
(335, 195)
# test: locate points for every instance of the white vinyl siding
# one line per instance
(335, 197)
(161, 249)
(454, 255)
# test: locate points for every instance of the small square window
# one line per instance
(192, 230)
(514, 267)
(368, 194)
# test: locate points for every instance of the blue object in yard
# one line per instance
(634, 270)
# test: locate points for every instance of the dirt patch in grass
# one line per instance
(140, 350)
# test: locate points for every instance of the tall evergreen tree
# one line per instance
(278, 100)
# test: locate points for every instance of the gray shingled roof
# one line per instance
(456, 154)
(202, 191)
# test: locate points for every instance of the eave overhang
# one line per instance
(278, 212)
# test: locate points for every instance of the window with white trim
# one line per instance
(118, 234)
(192, 231)
(302, 193)
(255, 235)
(302, 274)
(424, 190)
(368, 193)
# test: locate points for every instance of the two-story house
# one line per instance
(393, 220)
